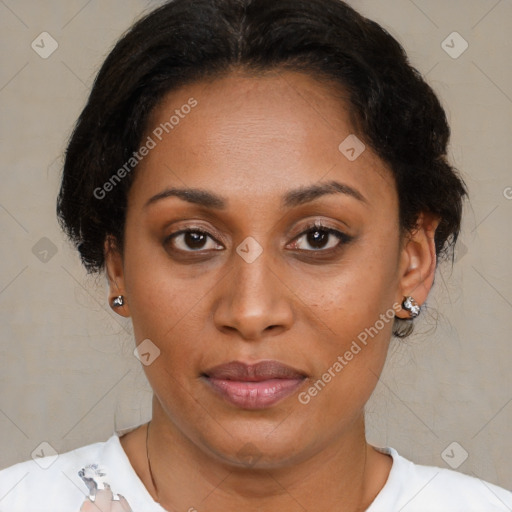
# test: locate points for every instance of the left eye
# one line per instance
(191, 241)
(319, 238)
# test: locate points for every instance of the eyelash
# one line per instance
(315, 226)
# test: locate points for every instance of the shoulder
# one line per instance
(417, 488)
(49, 483)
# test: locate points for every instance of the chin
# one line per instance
(263, 445)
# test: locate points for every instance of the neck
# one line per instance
(181, 476)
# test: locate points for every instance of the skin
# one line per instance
(251, 140)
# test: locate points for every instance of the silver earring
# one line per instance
(410, 305)
(118, 301)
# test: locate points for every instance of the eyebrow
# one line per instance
(291, 199)
(307, 194)
(191, 195)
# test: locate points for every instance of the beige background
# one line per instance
(68, 375)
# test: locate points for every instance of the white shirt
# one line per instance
(27, 487)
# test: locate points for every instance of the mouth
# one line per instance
(255, 386)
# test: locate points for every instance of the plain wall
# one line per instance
(68, 374)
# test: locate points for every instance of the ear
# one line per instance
(418, 262)
(115, 275)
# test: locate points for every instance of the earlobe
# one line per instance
(115, 275)
(417, 266)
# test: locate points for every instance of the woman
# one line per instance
(266, 186)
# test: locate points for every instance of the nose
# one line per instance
(253, 301)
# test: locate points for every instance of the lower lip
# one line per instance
(254, 395)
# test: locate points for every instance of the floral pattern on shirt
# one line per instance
(101, 498)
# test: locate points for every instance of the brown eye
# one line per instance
(193, 240)
(320, 238)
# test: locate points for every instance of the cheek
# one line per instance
(353, 315)
(162, 307)
(348, 357)
(157, 296)
(363, 287)
(172, 311)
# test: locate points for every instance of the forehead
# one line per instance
(260, 135)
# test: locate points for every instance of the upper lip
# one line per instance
(264, 370)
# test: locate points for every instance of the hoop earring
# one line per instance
(118, 302)
(411, 306)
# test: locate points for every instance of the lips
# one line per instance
(256, 386)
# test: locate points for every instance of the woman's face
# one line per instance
(252, 237)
